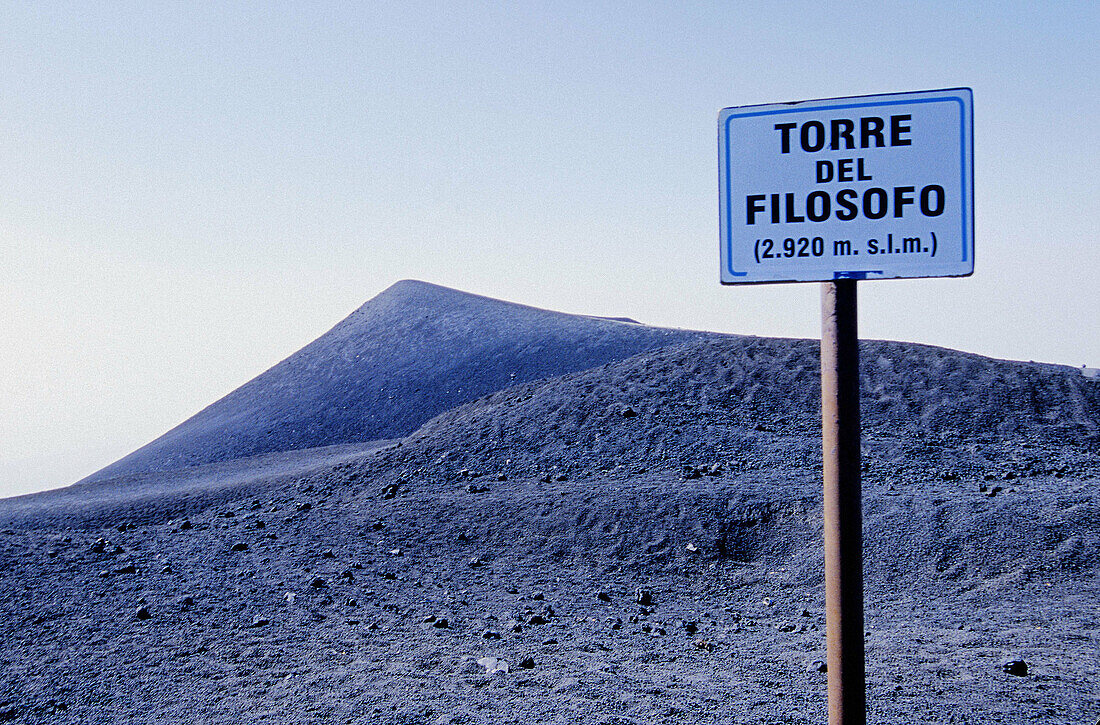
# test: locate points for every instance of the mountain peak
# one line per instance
(406, 355)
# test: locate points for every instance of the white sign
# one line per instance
(869, 187)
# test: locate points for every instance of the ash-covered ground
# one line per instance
(638, 542)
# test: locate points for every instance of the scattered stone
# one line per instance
(643, 596)
(818, 666)
(603, 596)
(390, 490)
(142, 613)
(328, 554)
(290, 597)
(628, 412)
(229, 514)
(378, 525)
(259, 621)
(514, 626)
(476, 562)
(304, 506)
(994, 491)
(562, 477)
(690, 472)
(493, 665)
(239, 546)
(351, 603)
(691, 548)
(187, 602)
(550, 641)
(538, 596)
(185, 525)
(474, 488)
(536, 619)
(1015, 667)
(99, 546)
(527, 663)
(127, 569)
(544, 478)
(122, 527)
(166, 569)
(490, 634)
(499, 477)
(441, 624)
(8, 712)
(318, 583)
(690, 627)
(396, 552)
(703, 644)
(259, 524)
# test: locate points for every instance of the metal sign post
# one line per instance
(842, 507)
(837, 190)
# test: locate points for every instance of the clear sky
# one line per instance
(193, 191)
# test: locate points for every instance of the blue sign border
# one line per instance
(966, 163)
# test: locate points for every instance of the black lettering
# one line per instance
(926, 194)
(753, 204)
(825, 172)
(818, 142)
(860, 176)
(897, 129)
(791, 215)
(811, 202)
(775, 208)
(883, 203)
(902, 196)
(871, 128)
(842, 129)
(784, 130)
(844, 199)
(843, 170)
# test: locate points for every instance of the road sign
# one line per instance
(868, 187)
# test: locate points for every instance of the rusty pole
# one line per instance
(842, 505)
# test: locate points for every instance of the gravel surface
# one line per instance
(637, 542)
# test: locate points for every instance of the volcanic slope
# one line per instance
(411, 352)
(638, 542)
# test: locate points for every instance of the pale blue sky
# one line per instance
(190, 195)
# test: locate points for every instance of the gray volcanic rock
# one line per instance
(412, 352)
(721, 405)
(663, 566)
